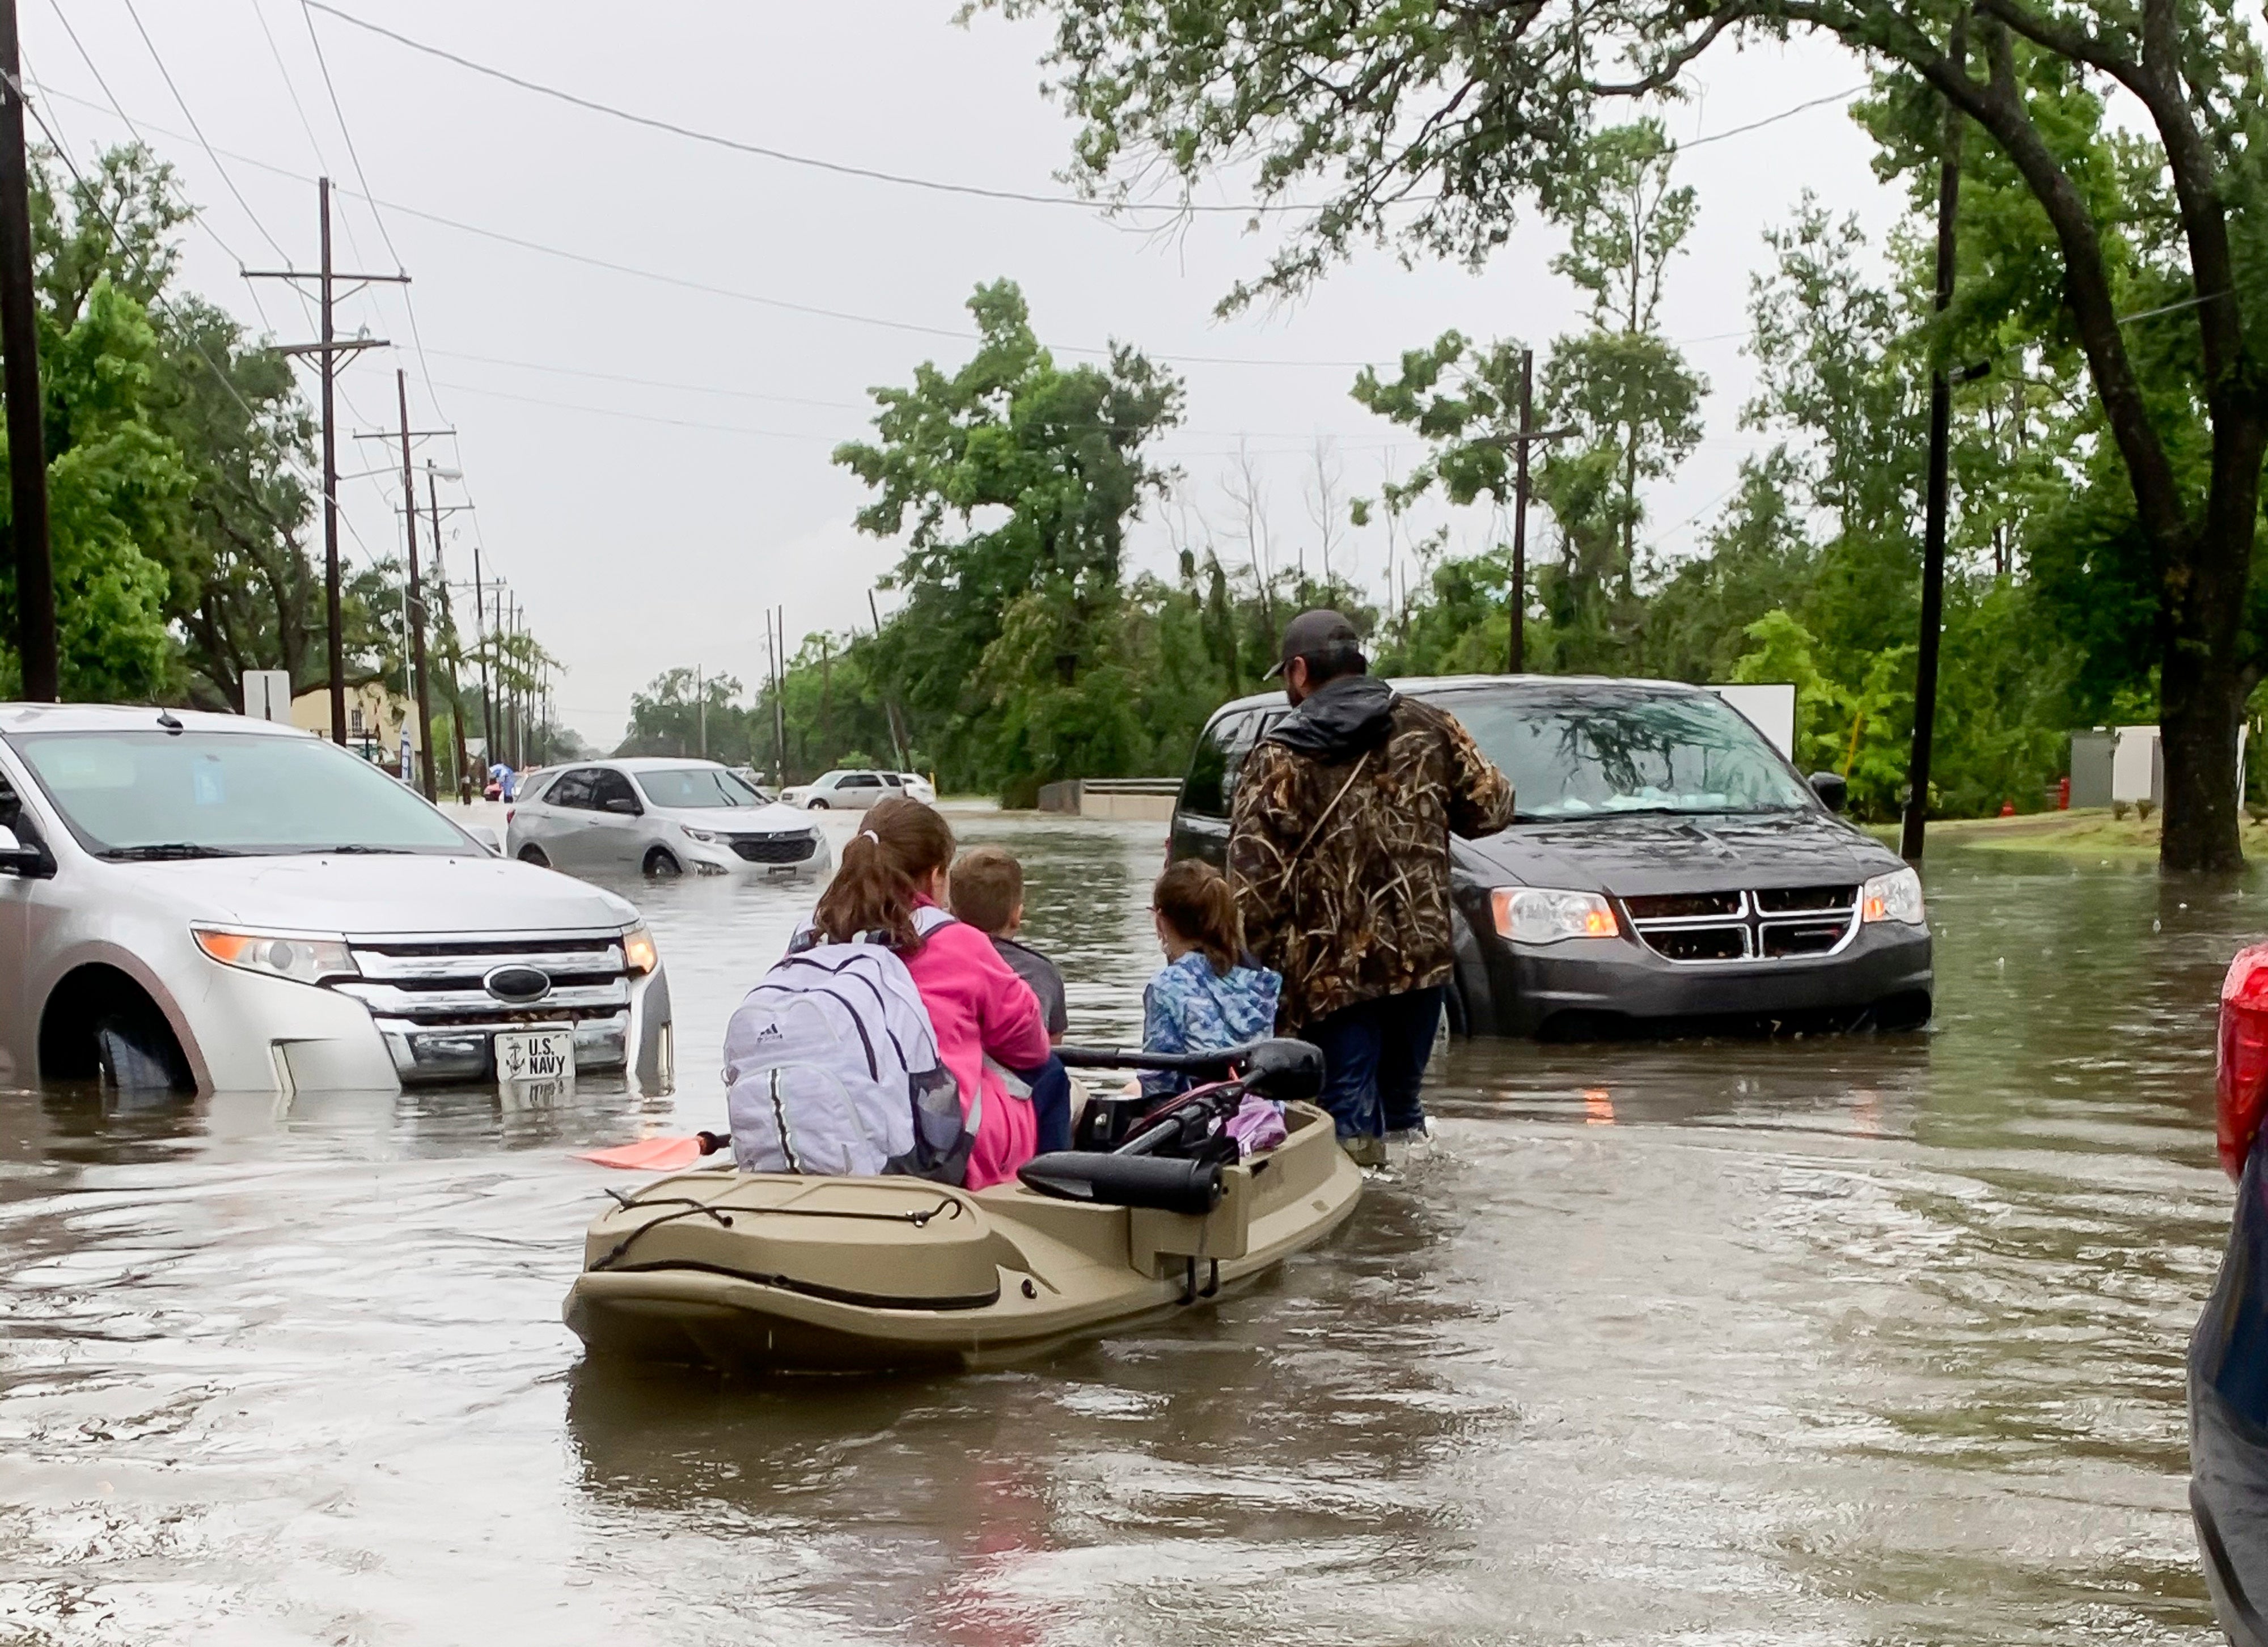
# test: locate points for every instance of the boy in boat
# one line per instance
(987, 892)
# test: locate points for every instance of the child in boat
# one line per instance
(981, 1012)
(987, 892)
(1208, 994)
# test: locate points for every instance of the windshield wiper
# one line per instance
(163, 849)
(356, 846)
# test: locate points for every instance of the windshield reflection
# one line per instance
(1617, 751)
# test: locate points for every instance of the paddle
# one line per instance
(657, 1155)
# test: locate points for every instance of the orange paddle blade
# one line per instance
(650, 1155)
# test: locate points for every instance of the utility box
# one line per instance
(2090, 767)
(2137, 766)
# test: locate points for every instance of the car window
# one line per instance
(861, 781)
(697, 787)
(185, 794)
(607, 786)
(1623, 750)
(1211, 781)
(571, 789)
(532, 789)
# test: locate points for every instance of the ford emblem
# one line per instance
(518, 986)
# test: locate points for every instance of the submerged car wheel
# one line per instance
(816, 804)
(133, 1054)
(100, 1025)
(533, 854)
(660, 863)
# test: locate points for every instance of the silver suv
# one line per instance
(662, 817)
(208, 901)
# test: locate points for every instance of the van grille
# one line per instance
(1770, 923)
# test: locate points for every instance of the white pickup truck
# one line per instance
(211, 902)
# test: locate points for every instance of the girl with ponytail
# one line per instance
(890, 884)
(1210, 993)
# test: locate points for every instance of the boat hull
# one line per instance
(866, 1276)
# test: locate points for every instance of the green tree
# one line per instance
(1432, 125)
(1013, 481)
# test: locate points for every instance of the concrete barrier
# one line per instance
(1149, 800)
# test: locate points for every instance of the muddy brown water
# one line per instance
(1842, 1340)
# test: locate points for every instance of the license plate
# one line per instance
(535, 1054)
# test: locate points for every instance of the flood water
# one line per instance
(1843, 1340)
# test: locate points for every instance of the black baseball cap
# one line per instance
(1322, 630)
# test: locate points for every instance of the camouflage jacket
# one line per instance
(1338, 844)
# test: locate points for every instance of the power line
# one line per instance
(1773, 120)
(183, 104)
(763, 151)
(289, 89)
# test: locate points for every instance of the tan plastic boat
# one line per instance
(771, 1272)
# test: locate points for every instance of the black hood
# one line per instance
(1339, 720)
(1650, 852)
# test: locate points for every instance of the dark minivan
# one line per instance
(1668, 870)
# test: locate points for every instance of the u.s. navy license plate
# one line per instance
(535, 1054)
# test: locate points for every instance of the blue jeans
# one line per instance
(1050, 1084)
(1374, 1055)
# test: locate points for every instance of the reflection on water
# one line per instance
(1823, 1339)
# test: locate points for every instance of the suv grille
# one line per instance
(429, 1002)
(776, 848)
(1772, 923)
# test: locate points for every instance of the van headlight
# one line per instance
(279, 955)
(1538, 914)
(638, 953)
(1895, 896)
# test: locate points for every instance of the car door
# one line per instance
(1200, 826)
(618, 824)
(566, 820)
(17, 1049)
(862, 790)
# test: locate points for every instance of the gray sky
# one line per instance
(648, 523)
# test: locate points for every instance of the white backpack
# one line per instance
(831, 1067)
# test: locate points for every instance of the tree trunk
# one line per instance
(2203, 675)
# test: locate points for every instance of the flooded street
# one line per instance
(1867, 1339)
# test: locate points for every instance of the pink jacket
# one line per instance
(979, 1008)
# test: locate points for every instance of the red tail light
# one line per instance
(2243, 1070)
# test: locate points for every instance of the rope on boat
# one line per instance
(690, 1208)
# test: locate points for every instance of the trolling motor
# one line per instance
(1166, 1154)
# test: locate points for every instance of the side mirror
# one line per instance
(1830, 789)
(487, 837)
(16, 858)
(624, 805)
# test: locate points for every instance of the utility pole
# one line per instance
(448, 617)
(1932, 536)
(779, 691)
(424, 697)
(701, 708)
(20, 341)
(1528, 436)
(481, 646)
(327, 350)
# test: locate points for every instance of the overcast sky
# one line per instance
(648, 523)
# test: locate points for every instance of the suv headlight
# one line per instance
(1895, 896)
(638, 953)
(279, 955)
(1538, 914)
(707, 837)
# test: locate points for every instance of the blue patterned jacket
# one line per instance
(1187, 1008)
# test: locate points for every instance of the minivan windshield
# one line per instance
(1615, 749)
(697, 787)
(200, 794)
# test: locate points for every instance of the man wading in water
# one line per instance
(1338, 847)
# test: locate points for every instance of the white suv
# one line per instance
(857, 790)
(205, 900)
